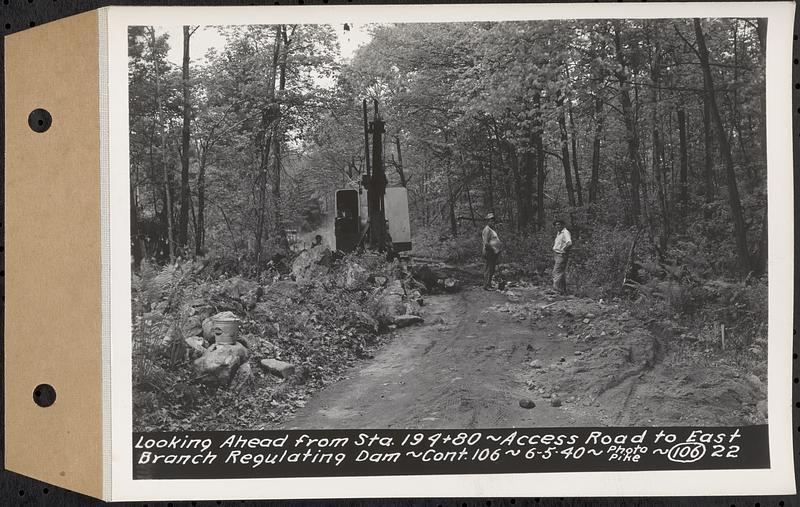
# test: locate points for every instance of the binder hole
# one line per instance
(44, 395)
(40, 120)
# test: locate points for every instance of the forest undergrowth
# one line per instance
(319, 328)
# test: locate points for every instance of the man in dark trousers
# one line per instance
(490, 249)
(561, 248)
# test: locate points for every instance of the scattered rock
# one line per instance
(526, 403)
(561, 360)
(586, 321)
(536, 364)
(381, 281)
(279, 368)
(450, 284)
(578, 353)
(220, 362)
(555, 401)
(407, 320)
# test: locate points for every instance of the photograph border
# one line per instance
(116, 257)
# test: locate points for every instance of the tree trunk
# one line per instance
(598, 129)
(167, 187)
(725, 149)
(562, 122)
(684, 187)
(631, 132)
(708, 166)
(277, 139)
(200, 226)
(183, 222)
(573, 137)
(265, 141)
(539, 151)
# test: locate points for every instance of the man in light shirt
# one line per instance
(561, 249)
(490, 249)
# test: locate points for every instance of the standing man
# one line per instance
(490, 249)
(561, 249)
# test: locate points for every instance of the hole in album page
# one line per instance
(40, 120)
(44, 395)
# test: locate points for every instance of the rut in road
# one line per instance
(460, 369)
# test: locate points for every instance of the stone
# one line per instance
(278, 368)
(381, 281)
(407, 320)
(555, 401)
(242, 377)
(450, 284)
(590, 315)
(526, 403)
(578, 353)
(220, 362)
(536, 364)
(586, 321)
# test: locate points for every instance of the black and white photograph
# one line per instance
(506, 224)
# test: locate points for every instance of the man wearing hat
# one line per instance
(490, 249)
(561, 249)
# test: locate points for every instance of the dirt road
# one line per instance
(479, 353)
(463, 368)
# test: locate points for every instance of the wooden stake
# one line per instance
(722, 328)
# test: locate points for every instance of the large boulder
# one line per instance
(220, 363)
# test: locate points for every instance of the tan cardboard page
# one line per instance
(53, 262)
